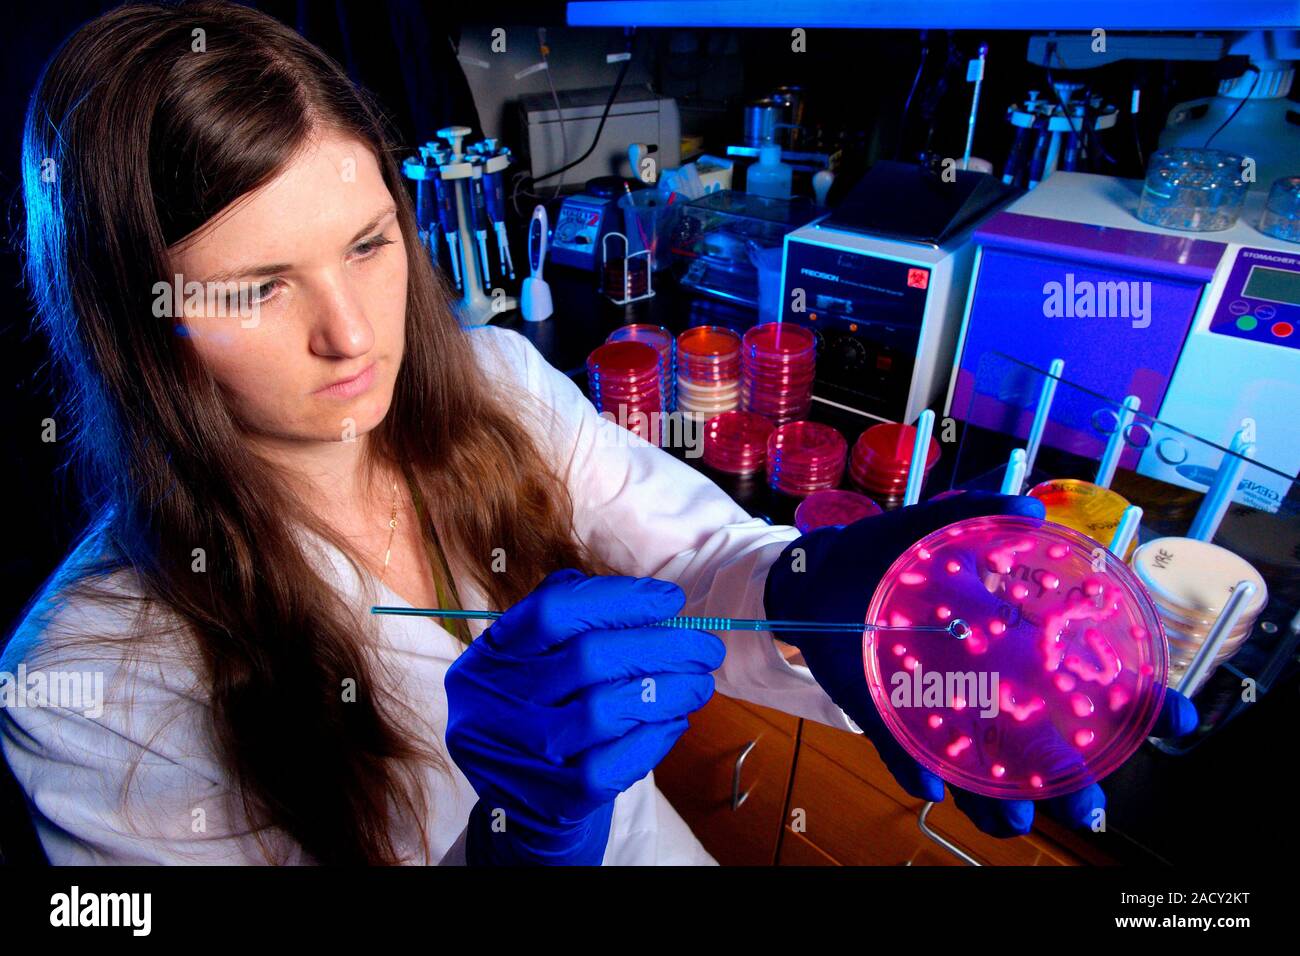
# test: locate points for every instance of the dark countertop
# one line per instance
(1204, 806)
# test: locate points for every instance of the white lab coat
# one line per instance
(141, 782)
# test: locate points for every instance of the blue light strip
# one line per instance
(950, 14)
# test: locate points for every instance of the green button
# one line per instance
(1247, 323)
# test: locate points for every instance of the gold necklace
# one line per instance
(392, 532)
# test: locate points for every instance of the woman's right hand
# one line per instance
(568, 699)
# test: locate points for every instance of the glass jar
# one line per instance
(1196, 190)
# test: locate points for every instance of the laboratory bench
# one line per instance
(762, 787)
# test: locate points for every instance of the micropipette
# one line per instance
(956, 627)
(425, 197)
(450, 223)
(478, 216)
(494, 194)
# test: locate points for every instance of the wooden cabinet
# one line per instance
(817, 796)
(873, 821)
(729, 777)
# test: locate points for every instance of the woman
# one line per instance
(269, 460)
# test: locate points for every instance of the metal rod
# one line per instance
(1216, 501)
(1013, 479)
(1203, 662)
(1125, 530)
(1042, 413)
(920, 452)
(941, 840)
(956, 627)
(1115, 445)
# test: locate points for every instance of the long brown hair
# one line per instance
(133, 141)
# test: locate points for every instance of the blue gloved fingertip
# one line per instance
(1178, 716)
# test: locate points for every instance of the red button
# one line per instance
(1281, 329)
(917, 278)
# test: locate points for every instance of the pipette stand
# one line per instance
(479, 302)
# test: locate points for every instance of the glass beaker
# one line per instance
(1281, 217)
(1196, 190)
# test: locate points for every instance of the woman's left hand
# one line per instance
(832, 577)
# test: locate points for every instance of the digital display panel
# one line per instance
(1273, 285)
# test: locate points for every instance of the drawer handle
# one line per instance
(946, 844)
(737, 798)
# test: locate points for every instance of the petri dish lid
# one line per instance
(806, 443)
(779, 339)
(1082, 505)
(889, 445)
(1195, 577)
(833, 507)
(1061, 676)
(656, 336)
(624, 358)
(706, 341)
(740, 426)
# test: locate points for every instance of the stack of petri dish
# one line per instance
(803, 457)
(881, 457)
(624, 380)
(662, 341)
(1190, 581)
(708, 371)
(777, 373)
(833, 507)
(736, 442)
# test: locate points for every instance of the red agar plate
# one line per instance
(1060, 675)
(833, 507)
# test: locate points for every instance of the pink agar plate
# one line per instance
(1058, 676)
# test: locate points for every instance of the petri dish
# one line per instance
(832, 507)
(1060, 678)
(656, 336)
(887, 449)
(624, 358)
(1083, 506)
(736, 442)
(807, 443)
(779, 341)
(881, 458)
(708, 343)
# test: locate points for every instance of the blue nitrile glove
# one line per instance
(562, 704)
(841, 569)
